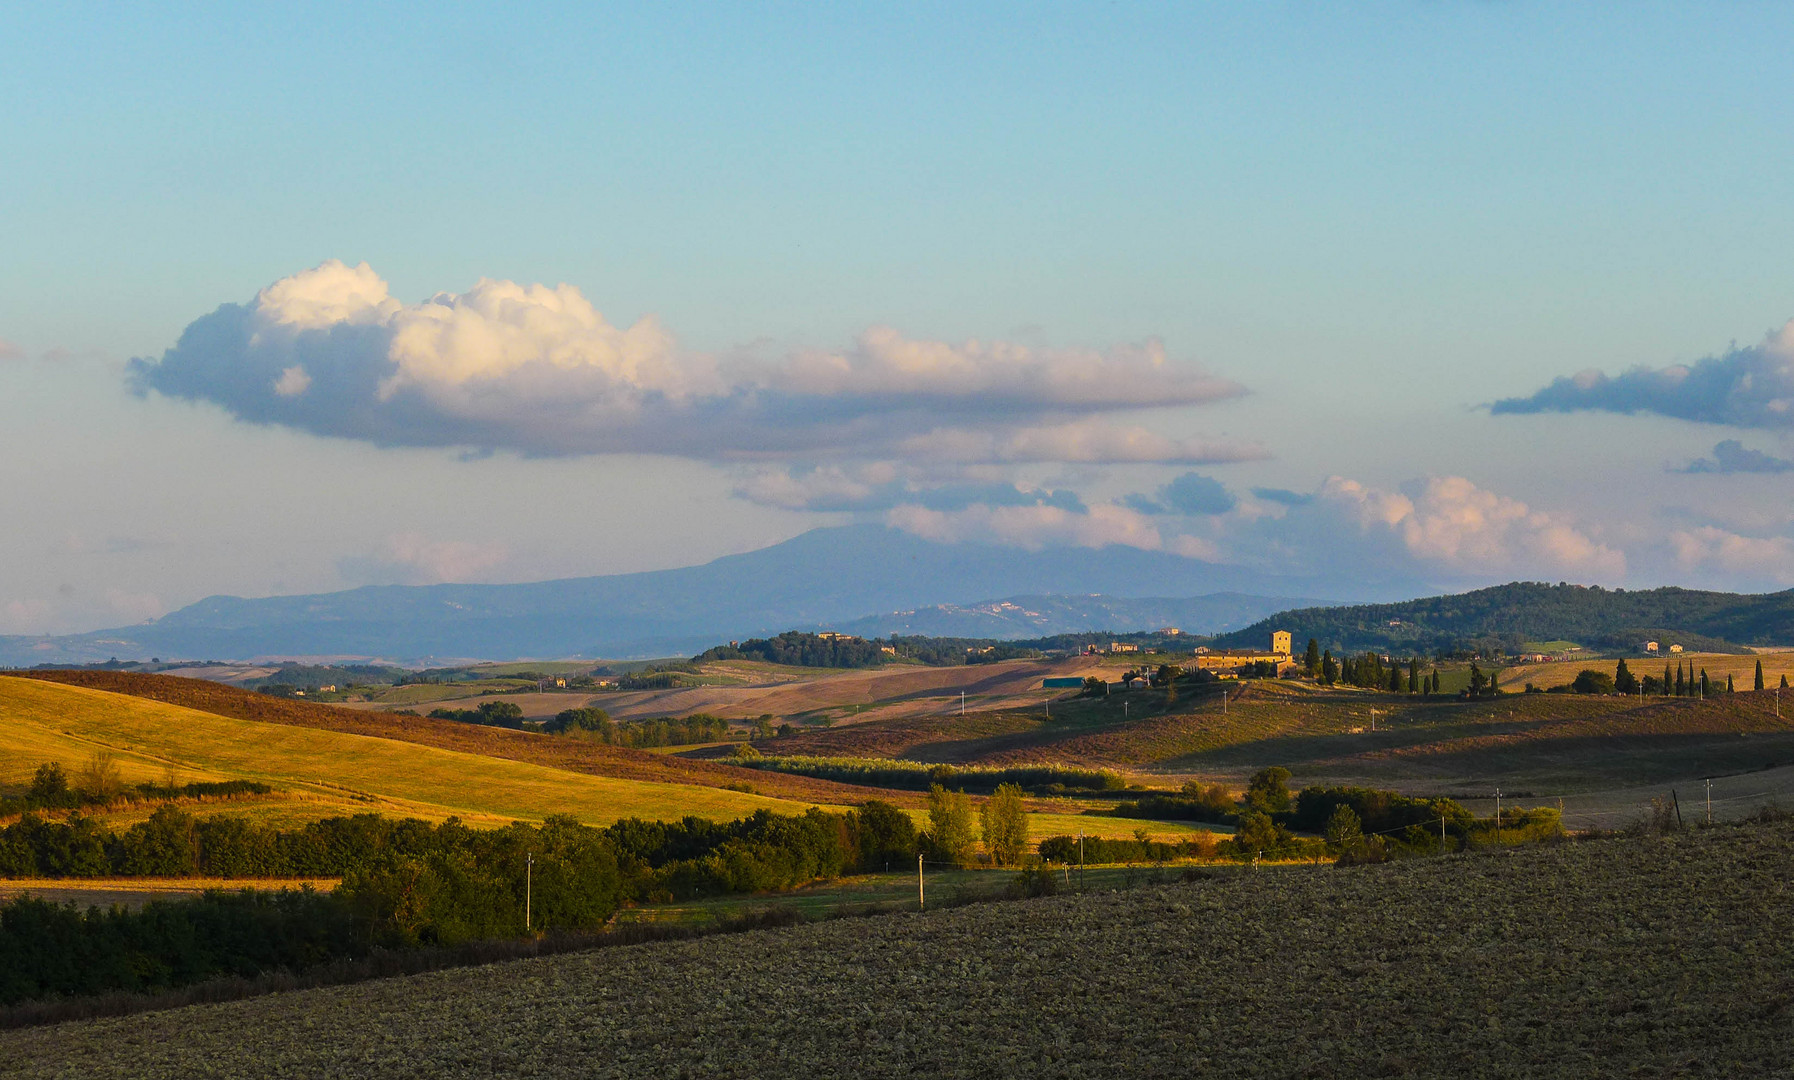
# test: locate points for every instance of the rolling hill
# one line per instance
(322, 773)
(1507, 616)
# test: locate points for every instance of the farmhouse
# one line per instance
(1232, 660)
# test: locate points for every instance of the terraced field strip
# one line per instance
(378, 774)
(136, 892)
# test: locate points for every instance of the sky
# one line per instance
(1398, 297)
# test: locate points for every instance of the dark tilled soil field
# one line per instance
(1647, 957)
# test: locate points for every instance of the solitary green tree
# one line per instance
(1759, 685)
(1478, 681)
(1005, 822)
(1343, 828)
(1623, 679)
(1729, 688)
(950, 824)
(1681, 686)
(1413, 676)
(1311, 662)
(1268, 790)
(1666, 680)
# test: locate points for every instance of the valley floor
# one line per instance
(1648, 957)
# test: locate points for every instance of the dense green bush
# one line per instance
(57, 950)
(597, 725)
(505, 714)
(1377, 811)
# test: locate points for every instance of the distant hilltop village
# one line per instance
(1225, 660)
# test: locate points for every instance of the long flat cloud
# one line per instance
(539, 370)
(1750, 387)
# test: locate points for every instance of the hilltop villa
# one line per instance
(1230, 660)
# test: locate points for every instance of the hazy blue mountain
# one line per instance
(1043, 616)
(822, 578)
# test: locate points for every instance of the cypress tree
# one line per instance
(1759, 685)
(1681, 688)
(1666, 683)
(1413, 676)
(1623, 680)
(1705, 688)
(1784, 682)
(1729, 688)
(1312, 661)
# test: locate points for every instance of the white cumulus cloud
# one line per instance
(1451, 522)
(1754, 558)
(540, 370)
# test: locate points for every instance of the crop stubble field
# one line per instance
(1649, 957)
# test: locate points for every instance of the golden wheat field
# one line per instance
(1644, 957)
(322, 773)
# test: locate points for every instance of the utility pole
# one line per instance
(1224, 701)
(1442, 834)
(921, 900)
(962, 703)
(1709, 802)
(1373, 719)
(1497, 817)
(529, 883)
(1080, 862)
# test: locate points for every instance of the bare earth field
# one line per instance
(810, 694)
(1652, 957)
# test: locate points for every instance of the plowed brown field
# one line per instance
(1621, 958)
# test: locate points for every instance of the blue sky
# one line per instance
(1347, 231)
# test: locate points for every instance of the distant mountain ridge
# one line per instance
(1510, 615)
(1018, 617)
(823, 578)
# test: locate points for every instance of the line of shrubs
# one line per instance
(596, 724)
(405, 884)
(919, 776)
(98, 784)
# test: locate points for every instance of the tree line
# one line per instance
(99, 783)
(596, 724)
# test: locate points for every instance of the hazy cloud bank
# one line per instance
(1732, 456)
